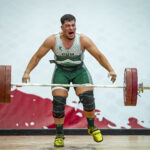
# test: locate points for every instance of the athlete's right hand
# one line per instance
(26, 78)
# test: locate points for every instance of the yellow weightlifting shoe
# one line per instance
(96, 133)
(59, 141)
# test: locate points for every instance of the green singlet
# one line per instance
(69, 58)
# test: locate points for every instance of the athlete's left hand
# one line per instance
(113, 76)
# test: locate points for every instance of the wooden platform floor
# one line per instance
(75, 143)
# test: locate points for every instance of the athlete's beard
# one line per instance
(68, 37)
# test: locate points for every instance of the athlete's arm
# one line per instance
(47, 45)
(94, 51)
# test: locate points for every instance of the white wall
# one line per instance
(119, 28)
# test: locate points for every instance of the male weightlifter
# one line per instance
(68, 47)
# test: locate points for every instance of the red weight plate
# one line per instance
(8, 84)
(128, 87)
(2, 84)
(134, 86)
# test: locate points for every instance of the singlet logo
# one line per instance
(67, 54)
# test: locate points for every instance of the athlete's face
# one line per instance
(69, 29)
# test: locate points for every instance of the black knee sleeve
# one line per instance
(59, 106)
(87, 99)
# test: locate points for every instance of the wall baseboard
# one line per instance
(73, 132)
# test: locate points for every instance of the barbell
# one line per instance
(131, 88)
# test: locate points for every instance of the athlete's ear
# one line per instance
(61, 27)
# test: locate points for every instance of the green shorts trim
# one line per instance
(79, 76)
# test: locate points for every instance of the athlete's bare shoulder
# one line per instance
(50, 41)
(85, 41)
(82, 36)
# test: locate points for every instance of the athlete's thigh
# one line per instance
(80, 90)
(60, 92)
(83, 77)
(59, 78)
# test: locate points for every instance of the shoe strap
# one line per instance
(60, 136)
(93, 129)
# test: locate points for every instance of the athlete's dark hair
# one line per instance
(67, 17)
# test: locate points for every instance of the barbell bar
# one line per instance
(131, 88)
(65, 85)
(78, 85)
